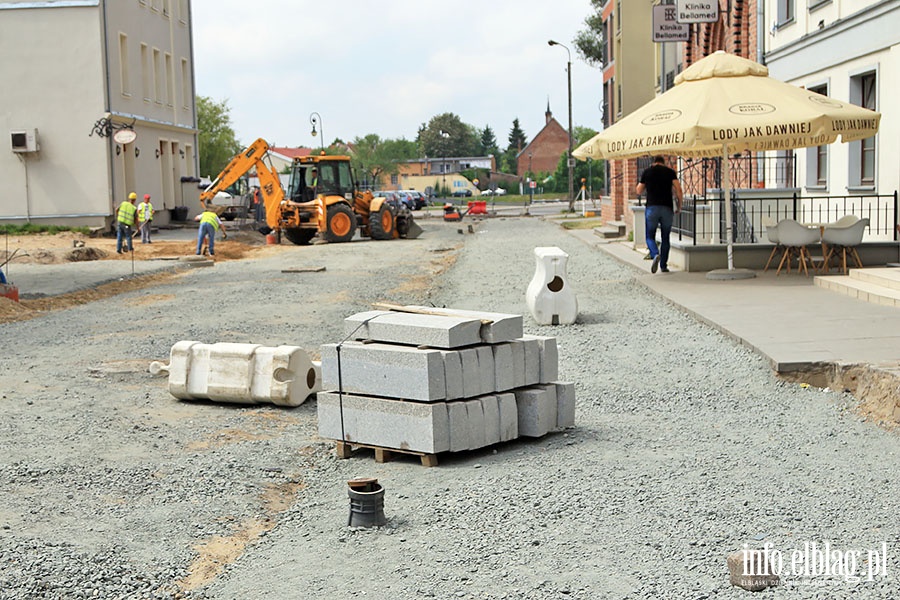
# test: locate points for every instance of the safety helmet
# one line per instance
(132, 196)
(146, 196)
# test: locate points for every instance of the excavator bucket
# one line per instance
(414, 230)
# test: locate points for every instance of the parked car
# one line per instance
(500, 191)
(418, 199)
(462, 193)
(406, 199)
(487, 192)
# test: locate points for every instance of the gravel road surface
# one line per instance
(686, 448)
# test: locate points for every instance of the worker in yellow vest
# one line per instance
(209, 225)
(125, 218)
(145, 219)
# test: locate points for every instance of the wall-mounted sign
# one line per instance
(665, 26)
(697, 11)
(125, 136)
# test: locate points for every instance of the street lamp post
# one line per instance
(316, 119)
(571, 139)
(444, 135)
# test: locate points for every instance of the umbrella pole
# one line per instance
(730, 272)
(726, 186)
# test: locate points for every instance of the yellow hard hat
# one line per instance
(132, 196)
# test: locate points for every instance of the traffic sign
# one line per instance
(694, 11)
(532, 184)
(665, 26)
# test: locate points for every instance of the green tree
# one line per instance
(216, 138)
(374, 157)
(517, 141)
(592, 173)
(460, 139)
(488, 143)
(590, 42)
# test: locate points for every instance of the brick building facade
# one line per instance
(542, 153)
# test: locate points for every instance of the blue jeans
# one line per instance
(206, 230)
(660, 217)
(123, 233)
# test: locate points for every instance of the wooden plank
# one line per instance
(383, 455)
(343, 450)
(422, 311)
(304, 270)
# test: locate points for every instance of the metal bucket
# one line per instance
(366, 503)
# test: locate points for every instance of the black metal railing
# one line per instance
(748, 171)
(703, 219)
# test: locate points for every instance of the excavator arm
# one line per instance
(270, 185)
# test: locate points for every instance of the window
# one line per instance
(817, 157)
(170, 81)
(785, 11)
(185, 84)
(182, 11)
(157, 76)
(123, 64)
(146, 71)
(863, 92)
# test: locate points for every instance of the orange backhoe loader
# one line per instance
(322, 199)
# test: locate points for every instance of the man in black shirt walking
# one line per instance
(664, 198)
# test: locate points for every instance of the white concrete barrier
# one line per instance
(549, 296)
(240, 373)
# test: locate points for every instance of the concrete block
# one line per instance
(518, 355)
(485, 369)
(459, 426)
(503, 367)
(475, 416)
(532, 360)
(491, 407)
(416, 426)
(413, 329)
(565, 404)
(240, 373)
(509, 417)
(385, 370)
(453, 375)
(471, 374)
(549, 357)
(549, 296)
(536, 409)
(501, 327)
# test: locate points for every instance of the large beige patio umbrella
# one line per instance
(724, 104)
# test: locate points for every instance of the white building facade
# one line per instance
(83, 70)
(848, 50)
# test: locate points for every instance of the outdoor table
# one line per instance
(824, 268)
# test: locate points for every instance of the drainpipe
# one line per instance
(109, 153)
(760, 32)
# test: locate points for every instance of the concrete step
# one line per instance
(612, 229)
(857, 288)
(883, 276)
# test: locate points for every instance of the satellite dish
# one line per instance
(125, 136)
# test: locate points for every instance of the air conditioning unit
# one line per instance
(24, 140)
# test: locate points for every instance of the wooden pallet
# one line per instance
(383, 455)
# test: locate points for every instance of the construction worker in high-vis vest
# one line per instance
(125, 219)
(209, 225)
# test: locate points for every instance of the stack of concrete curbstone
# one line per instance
(431, 383)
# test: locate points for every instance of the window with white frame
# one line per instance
(123, 65)
(170, 80)
(863, 92)
(157, 76)
(817, 156)
(146, 72)
(785, 11)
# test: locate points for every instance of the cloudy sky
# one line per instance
(388, 66)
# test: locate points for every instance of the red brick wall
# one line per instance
(548, 145)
